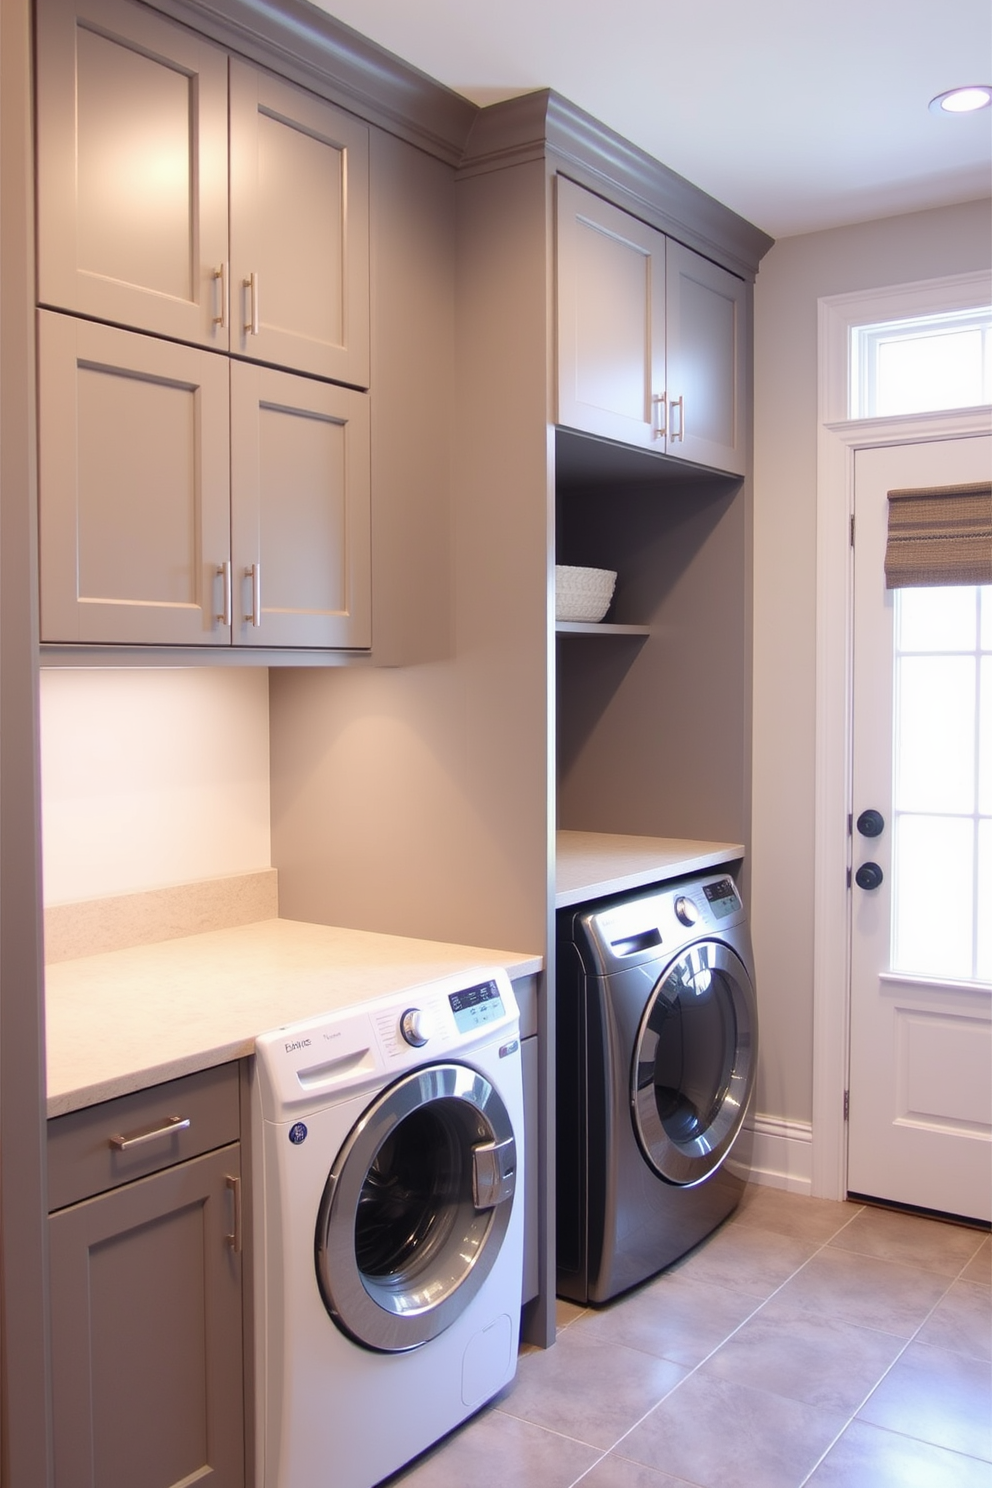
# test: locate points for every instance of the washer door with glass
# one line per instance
(416, 1207)
(694, 1063)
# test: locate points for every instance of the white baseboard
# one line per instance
(783, 1153)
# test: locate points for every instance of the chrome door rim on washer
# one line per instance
(448, 1240)
(689, 1158)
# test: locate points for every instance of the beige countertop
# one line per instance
(126, 1019)
(591, 865)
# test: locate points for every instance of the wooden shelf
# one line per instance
(599, 627)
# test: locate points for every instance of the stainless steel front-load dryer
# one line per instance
(656, 1056)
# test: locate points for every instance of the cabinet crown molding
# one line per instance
(323, 54)
(544, 124)
(319, 52)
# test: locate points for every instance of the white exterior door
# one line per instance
(920, 1127)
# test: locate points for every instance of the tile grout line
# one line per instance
(732, 1334)
(761, 1304)
(886, 1372)
(824, 1245)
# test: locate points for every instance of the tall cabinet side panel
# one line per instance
(25, 1403)
(412, 799)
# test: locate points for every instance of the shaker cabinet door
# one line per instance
(132, 169)
(133, 487)
(611, 320)
(300, 480)
(299, 229)
(707, 349)
(147, 1352)
(652, 337)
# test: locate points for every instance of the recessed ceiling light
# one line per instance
(962, 100)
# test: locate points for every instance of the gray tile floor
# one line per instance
(806, 1342)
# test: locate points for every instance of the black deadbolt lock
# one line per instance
(871, 824)
(868, 876)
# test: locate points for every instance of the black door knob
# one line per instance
(871, 824)
(868, 876)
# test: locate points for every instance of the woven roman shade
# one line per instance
(939, 535)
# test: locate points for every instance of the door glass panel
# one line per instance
(935, 619)
(933, 879)
(935, 733)
(984, 923)
(942, 792)
(985, 739)
(411, 1194)
(697, 1038)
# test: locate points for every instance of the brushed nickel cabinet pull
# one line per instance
(660, 405)
(251, 323)
(224, 571)
(221, 274)
(680, 404)
(172, 1125)
(234, 1189)
(255, 574)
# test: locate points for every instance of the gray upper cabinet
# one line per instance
(706, 351)
(196, 196)
(651, 337)
(611, 320)
(134, 508)
(132, 169)
(299, 229)
(301, 513)
(193, 499)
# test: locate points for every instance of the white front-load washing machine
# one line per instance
(388, 1228)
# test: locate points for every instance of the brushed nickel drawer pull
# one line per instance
(234, 1188)
(172, 1124)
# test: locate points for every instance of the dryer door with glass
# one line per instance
(416, 1207)
(694, 1063)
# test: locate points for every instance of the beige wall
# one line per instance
(152, 778)
(794, 275)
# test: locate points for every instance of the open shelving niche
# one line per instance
(653, 717)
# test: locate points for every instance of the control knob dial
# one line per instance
(415, 1026)
(685, 911)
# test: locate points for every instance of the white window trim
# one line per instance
(838, 439)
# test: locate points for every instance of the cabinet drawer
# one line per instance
(83, 1158)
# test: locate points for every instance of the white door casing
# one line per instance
(920, 1046)
(839, 437)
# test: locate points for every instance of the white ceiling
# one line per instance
(798, 114)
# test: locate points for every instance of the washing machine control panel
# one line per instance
(322, 1059)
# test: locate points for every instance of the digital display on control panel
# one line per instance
(722, 896)
(474, 1006)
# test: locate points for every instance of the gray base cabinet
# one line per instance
(652, 338)
(146, 1289)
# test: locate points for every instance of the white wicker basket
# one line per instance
(583, 593)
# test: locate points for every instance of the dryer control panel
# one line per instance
(650, 923)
